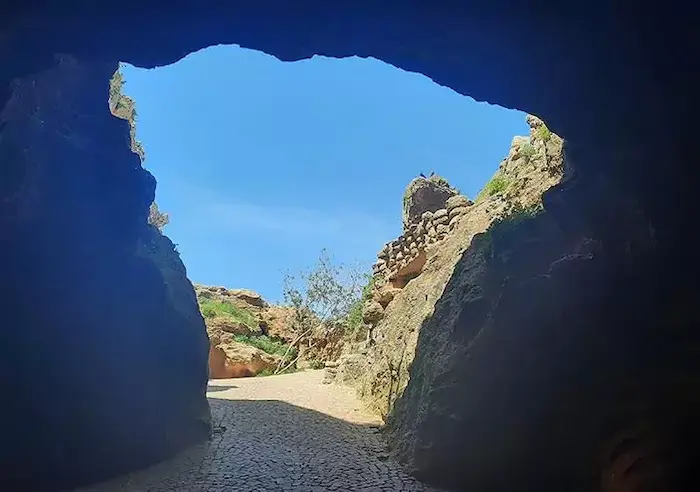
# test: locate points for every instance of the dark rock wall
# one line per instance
(89, 332)
(87, 327)
(552, 337)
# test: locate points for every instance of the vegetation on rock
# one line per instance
(496, 184)
(321, 308)
(268, 345)
(328, 291)
(413, 277)
(214, 309)
(157, 218)
(544, 133)
(124, 107)
(527, 150)
(355, 321)
(324, 302)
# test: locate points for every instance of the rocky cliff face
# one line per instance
(425, 195)
(499, 336)
(412, 272)
(122, 106)
(628, 133)
(240, 321)
(115, 301)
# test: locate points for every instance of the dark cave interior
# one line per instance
(82, 313)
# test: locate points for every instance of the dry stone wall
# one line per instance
(403, 258)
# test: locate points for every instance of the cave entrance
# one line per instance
(75, 222)
(261, 164)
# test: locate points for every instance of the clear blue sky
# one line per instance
(262, 163)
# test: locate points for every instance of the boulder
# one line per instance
(247, 296)
(230, 325)
(242, 298)
(458, 211)
(457, 201)
(425, 195)
(439, 214)
(385, 295)
(277, 322)
(372, 312)
(232, 359)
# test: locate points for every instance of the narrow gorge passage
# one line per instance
(279, 433)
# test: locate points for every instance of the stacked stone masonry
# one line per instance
(403, 258)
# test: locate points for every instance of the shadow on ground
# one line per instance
(214, 388)
(267, 445)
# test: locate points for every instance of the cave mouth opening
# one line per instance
(271, 161)
(77, 257)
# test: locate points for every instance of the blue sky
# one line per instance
(262, 163)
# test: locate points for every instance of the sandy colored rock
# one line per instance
(372, 312)
(425, 195)
(232, 359)
(439, 214)
(277, 322)
(229, 325)
(454, 221)
(386, 294)
(458, 211)
(248, 296)
(457, 201)
(418, 285)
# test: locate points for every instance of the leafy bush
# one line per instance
(527, 150)
(212, 309)
(517, 216)
(544, 133)
(267, 344)
(497, 184)
(157, 218)
(316, 364)
(325, 295)
(355, 313)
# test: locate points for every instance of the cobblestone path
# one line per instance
(279, 433)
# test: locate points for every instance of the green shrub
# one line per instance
(544, 133)
(517, 216)
(213, 309)
(355, 313)
(527, 150)
(497, 184)
(267, 344)
(316, 364)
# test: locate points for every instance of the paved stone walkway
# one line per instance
(279, 433)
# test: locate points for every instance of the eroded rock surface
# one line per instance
(407, 286)
(231, 359)
(244, 313)
(117, 341)
(425, 195)
(626, 124)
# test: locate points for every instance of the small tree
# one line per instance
(157, 218)
(323, 297)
